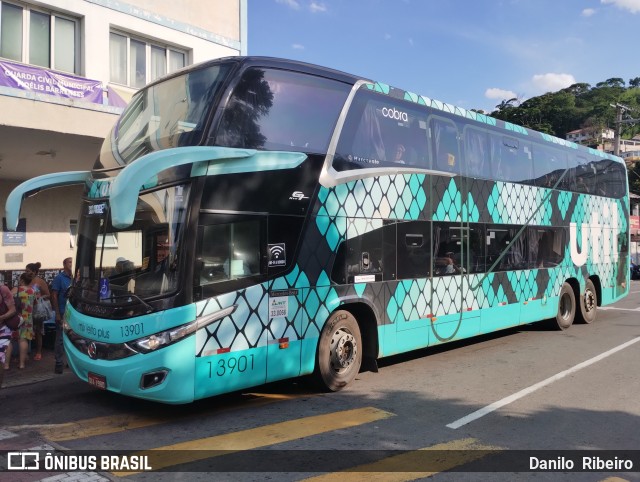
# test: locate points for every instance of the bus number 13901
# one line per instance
(230, 365)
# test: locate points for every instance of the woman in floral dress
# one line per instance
(27, 294)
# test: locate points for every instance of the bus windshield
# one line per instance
(125, 266)
(172, 113)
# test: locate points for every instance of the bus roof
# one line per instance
(510, 128)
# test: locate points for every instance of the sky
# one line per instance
(469, 53)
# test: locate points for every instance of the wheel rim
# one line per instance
(565, 307)
(589, 301)
(344, 349)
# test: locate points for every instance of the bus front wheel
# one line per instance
(566, 307)
(339, 351)
(588, 304)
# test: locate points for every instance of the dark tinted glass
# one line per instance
(475, 242)
(281, 110)
(444, 142)
(367, 257)
(610, 178)
(172, 113)
(549, 164)
(381, 131)
(477, 153)
(229, 249)
(414, 249)
(506, 250)
(512, 159)
(447, 249)
(546, 246)
(585, 176)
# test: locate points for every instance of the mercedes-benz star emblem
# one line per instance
(92, 350)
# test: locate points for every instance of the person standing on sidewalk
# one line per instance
(59, 288)
(27, 293)
(5, 333)
(42, 294)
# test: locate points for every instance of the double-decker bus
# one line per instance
(252, 219)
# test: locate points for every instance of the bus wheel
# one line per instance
(339, 351)
(566, 307)
(588, 304)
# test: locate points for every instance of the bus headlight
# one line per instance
(161, 339)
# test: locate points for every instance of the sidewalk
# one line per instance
(34, 371)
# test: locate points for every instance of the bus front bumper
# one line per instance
(162, 375)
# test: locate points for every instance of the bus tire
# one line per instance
(339, 352)
(566, 307)
(588, 304)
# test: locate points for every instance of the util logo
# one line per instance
(595, 234)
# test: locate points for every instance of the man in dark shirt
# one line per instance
(59, 289)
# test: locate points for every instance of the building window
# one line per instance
(109, 240)
(73, 233)
(33, 37)
(135, 62)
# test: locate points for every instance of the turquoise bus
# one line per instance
(252, 219)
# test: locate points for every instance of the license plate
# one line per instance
(97, 381)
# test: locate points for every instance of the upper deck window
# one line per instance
(512, 160)
(280, 110)
(168, 114)
(382, 131)
(444, 141)
(549, 166)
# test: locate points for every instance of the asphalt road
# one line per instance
(478, 408)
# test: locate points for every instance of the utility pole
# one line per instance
(620, 109)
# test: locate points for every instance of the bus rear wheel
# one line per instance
(588, 304)
(566, 307)
(339, 351)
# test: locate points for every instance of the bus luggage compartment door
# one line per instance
(284, 333)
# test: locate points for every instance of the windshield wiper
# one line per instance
(131, 295)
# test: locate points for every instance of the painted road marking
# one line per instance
(110, 424)
(512, 398)
(391, 469)
(201, 449)
(618, 309)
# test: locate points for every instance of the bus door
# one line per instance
(289, 299)
(230, 271)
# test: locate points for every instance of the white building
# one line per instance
(67, 68)
(591, 136)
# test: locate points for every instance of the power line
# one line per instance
(620, 109)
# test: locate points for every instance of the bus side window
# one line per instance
(611, 178)
(414, 249)
(282, 110)
(366, 257)
(477, 151)
(603, 186)
(546, 246)
(549, 165)
(447, 249)
(229, 248)
(569, 182)
(380, 131)
(516, 161)
(414, 141)
(476, 248)
(504, 245)
(585, 176)
(444, 141)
